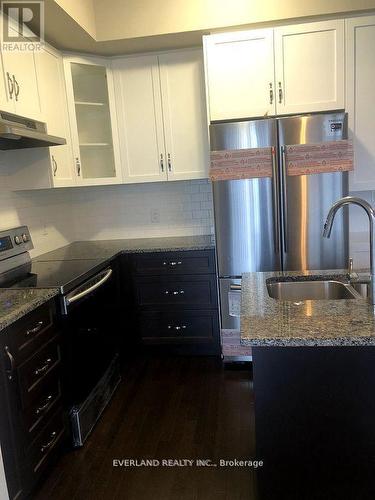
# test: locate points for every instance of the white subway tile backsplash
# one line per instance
(57, 217)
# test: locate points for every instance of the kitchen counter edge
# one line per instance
(266, 322)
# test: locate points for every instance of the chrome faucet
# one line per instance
(371, 216)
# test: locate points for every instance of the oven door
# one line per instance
(86, 290)
(90, 334)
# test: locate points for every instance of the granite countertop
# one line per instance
(269, 322)
(107, 249)
(16, 303)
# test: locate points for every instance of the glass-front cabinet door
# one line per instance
(93, 120)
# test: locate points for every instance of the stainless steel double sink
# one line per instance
(316, 290)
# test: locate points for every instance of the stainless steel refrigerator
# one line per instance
(276, 223)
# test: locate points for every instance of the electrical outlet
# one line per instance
(155, 216)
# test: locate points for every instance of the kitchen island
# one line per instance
(314, 377)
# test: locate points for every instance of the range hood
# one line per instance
(18, 132)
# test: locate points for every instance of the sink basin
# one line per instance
(311, 290)
(361, 288)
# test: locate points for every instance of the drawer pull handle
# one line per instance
(177, 327)
(48, 445)
(172, 263)
(43, 408)
(35, 330)
(11, 361)
(43, 368)
(174, 292)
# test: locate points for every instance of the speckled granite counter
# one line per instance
(269, 322)
(15, 303)
(105, 249)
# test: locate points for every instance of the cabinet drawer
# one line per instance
(46, 442)
(183, 327)
(45, 401)
(170, 263)
(38, 369)
(198, 292)
(30, 332)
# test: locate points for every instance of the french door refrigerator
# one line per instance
(276, 223)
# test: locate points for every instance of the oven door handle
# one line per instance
(80, 295)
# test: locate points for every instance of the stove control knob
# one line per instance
(25, 238)
(17, 240)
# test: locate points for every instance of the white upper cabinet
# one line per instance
(185, 114)
(240, 74)
(55, 111)
(41, 168)
(360, 99)
(93, 121)
(309, 67)
(162, 116)
(21, 84)
(6, 86)
(140, 119)
(292, 69)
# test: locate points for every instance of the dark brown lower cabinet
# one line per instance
(176, 299)
(32, 420)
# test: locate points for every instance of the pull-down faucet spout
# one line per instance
(371, 216)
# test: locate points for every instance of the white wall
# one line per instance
(45, 212)
(57, 217)
(184, 207)
(359, 231)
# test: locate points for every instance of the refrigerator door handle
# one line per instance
(275, 201)
(285, 199)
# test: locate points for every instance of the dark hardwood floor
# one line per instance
(165, 408)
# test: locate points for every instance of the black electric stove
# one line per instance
(62, 274)
(86, 318)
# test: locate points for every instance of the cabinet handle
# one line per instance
(177, 328)
(161, 162)
(10, 86)
(45, 405)
(271, 93)
(172, 263)
(78, 166)
(43, 368)
(16, 88)
(34, 330)
(174, 292)
(54, 166)
(280, 93)
(9, 371)
(169, 163)
(48, 445)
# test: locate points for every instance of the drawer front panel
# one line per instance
(31, 332)
(183, 327)
(171, 263)
(37, 370)
(187, 292)
(46, 400)
(46, 442)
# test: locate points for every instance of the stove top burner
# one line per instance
(64, 275)
(18, 271)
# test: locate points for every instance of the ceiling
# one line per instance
(130, 26)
